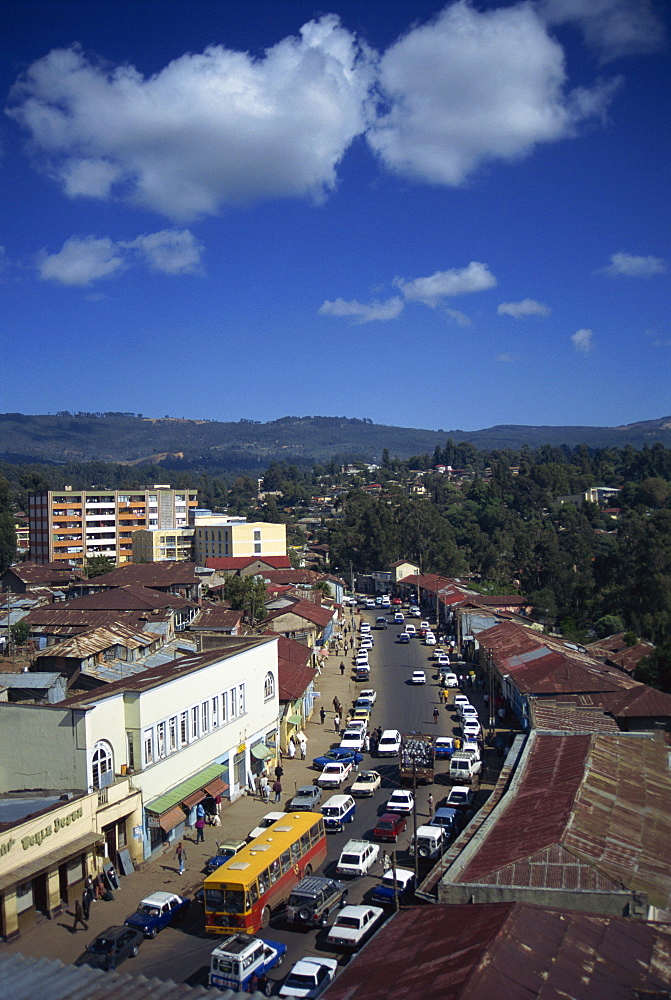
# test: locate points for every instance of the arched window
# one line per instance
(102, 764)
(269, 686)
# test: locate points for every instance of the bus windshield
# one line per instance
(227, 897)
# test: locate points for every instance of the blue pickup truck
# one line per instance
(157, 911)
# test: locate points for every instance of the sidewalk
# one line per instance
(54, 938)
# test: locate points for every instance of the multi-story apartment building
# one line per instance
(217, 536)
(158, 544)
(71, 526)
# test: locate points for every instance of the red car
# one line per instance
(389, 826)
(396, 601)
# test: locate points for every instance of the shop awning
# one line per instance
(23, 873)
(261, 751)
(172, 818)
(294, 720)
(189, 792)
(216, 787)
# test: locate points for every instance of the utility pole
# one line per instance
(414, 818)
(393, 869)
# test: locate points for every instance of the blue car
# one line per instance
(157, 911)
(338, 755)
(383, 894)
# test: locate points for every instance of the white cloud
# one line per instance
(215, 128)
(170, 251)
(613, 27)
(458, 94)
(475, 277)
(583, 341)
(631, 266)
(82, 261)
(527, 307)
(361, 312)
(461, 319)
(505, 358)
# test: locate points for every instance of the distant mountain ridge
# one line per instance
(123, 437)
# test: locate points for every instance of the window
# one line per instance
(160, 739)
(24, 896)
(148, 743)
(257, 536)
(257, 548)
(269, 686)
(130, 751)
(194, 723)
(184, 728)
(172, 734)
(233, 704)
(241, 703)
(75, 869)
(224, 707)
(102, 764)
(205, 717)
(215, 711)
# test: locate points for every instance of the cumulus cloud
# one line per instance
(527, 307)
(362, 312)
(583, 341)
(456, 93)
(83, 260)
(631, 266)
(209, 129)
(461, 319)
(475, 277)
(614, 28)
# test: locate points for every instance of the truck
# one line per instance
(241, 958)
(417, 757)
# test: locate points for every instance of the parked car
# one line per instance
(156, 911)
(356, 857)
(403, 637)
(424, 627)
(390, 826)
(449, 818)
(224, 853)
(449, 679)
(411, 630)
(109, 949)
(367, 642)
(306, 799)
(352, 739)
(366, 784)
(353, 925)
(418, 677)
(460, 797)
(333, 775)
(429, 841)
(400, 801)
(265, 822)
(390, 743)
(363, 702)
(364, 628)
(429, 639)
(335, 755)
(309, 977)
(360, 715)
(313, 900)
(383, 894)
(443, 660)
(369, 693)
(471, 729)
(460, 699)
(471, 746)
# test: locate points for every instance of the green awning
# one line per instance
(294, 720)
(261, 751)
(186, 788)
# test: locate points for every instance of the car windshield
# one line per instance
(330, 810)
(305, 793)
(102, 945)
(363, 778)
(150, 911)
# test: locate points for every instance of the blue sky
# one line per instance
(431, 216)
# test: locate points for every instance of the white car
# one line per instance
(460, 699)
(411, 630)
(418, 677)
(309, 977)
(362, 658)
(360, 724)
(429, 639)
(467, 712)
(460, 797)
(442, 659)
(390, 743)
(333, 775)
(356, 857)
(450, 680)
(425, 626)
(368, 693)
(352, 739)
(471, 729)
(353, 925)
(367, 642)
(266, 821)
(470, 745)
(399, 616)
(400, 801)
(364, 628)
(367, 783)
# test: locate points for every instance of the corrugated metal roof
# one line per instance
(97, 640)
(33, 679)
(26, 978)
(549, 715)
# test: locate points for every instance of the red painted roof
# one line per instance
(168, 573)
(304, 609)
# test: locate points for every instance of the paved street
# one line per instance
(182, 953)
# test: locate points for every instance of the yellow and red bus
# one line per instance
(244, 892)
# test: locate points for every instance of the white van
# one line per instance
(430, 843)
(338, 810)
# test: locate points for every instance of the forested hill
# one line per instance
(127, 437)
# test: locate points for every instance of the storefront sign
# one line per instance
(242, 748)
(58, 824)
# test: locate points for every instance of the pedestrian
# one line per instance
(366, 742)
(351, 642)
(436, 713)
(86, 905)
(322, 714)
(338, 708)
(335, 704)
(373, 743)
(279, 771)
(441, 693)
(303, 744)
(336, 723)
(200, 811)
(386, 862)
(88, 888)
(277, 788)
(79, 917)
(180, 854)
(217, 804)
(200, 830)
(292, 749)
(99, 886)
(342, 668)
(430, 802)
(265, 790)
(502, 715)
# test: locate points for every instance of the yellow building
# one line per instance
(217, 536)
(157, 544)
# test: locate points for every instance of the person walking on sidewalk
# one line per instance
(200, 830)
(79, 917)
(436, 713)
(292, 748)
(342, 668)
(86, 905)
(430, 803)
(322, 714)
(336, 723)
(180, 854)
(277, 788)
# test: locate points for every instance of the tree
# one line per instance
(7, 540)
(98, 566)
(655, 669)
(248, 594)
(20, 633)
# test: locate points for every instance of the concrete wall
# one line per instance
(42, 746)
(615, 903)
